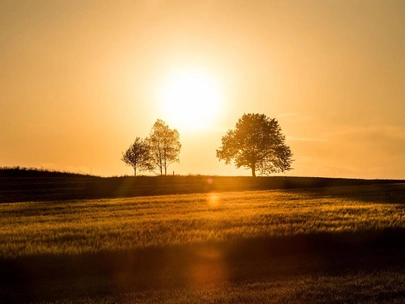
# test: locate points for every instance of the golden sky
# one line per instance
(79, 80)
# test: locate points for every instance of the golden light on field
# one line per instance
(213, 199)
(191, 98)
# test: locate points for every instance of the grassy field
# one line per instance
(77, 227)
(309, 245)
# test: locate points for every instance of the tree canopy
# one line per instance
(256, 143)
(138, 156)
(164, 145)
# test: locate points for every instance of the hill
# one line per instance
(23, 172)
(21, 184)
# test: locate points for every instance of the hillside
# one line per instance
(18, 184)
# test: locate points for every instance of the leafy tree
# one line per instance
(138, 156)
(164, 145)
(256, 143)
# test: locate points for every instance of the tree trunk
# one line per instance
(134, 171)
(254, 170)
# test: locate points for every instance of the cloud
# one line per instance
(374, 151)
(311, 139)
(288, 114)
(293, 116)
(366, 131)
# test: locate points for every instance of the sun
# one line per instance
(191, 98)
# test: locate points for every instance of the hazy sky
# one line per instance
(79, 80)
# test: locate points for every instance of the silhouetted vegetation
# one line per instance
(24, 172)
(138, 156)
(156, 152)
(256, 143)
(40, 185)
(164, 146)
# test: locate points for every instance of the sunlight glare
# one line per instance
(191, 98)
(213, 199)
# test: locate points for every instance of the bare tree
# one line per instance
(138, 156)
(256, 143)
(164, 145)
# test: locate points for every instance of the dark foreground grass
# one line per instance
(381, 287)
(360, 276)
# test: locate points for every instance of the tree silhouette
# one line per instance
(256, 143)
(138, 156)
(164, 145)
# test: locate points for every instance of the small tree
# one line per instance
(138, 156)
(256, 143)
(164, 145)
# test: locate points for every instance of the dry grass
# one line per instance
(212, 247)
(91, 226)
(358, 288)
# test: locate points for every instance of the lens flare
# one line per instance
(213, 199)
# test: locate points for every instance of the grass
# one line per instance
(314, 245)
(304, 289)
(78, 227)
(360, 287)
(374, 277)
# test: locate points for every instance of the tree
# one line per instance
(164, 145)
(138, 156)
(256, 143)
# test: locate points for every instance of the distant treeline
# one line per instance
(21, 184)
